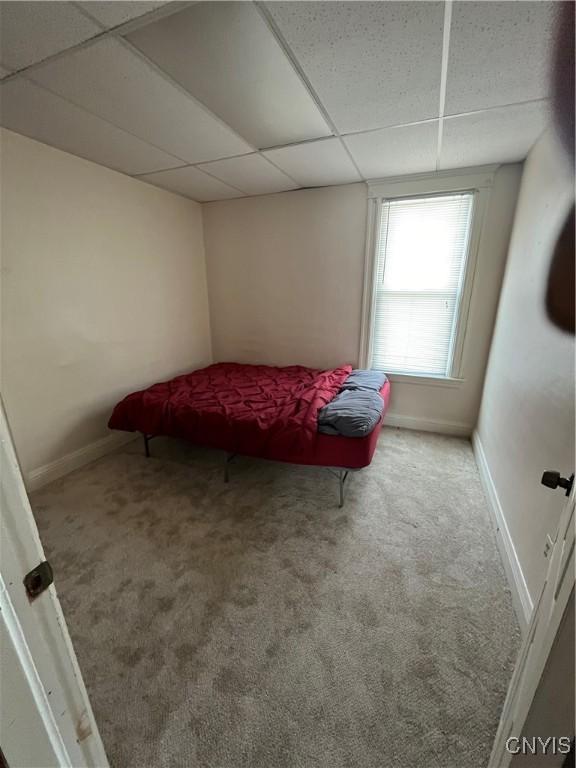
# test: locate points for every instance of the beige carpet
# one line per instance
(257, 625)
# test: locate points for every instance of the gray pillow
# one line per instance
(365, 379)
(352, 413)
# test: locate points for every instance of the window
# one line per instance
(420, 263)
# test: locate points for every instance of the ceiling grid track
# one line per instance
(344, 154)
(443, 76)
(119, 32)
(29, 79)
(80, 8)
(281, 170)
(137, 52)
(203, 170)
(304, 79)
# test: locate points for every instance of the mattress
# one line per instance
(261, 411)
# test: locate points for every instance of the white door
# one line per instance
(545, 622)
(45, 716)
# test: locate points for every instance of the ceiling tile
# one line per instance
(34, 112)
(499, 135)
(316, 163)
(395, 151)
(372, 64)
(252, 174)
(116, 84)
(32, 31)
(110, 14)
(192, 183)
(227, 57)
(499, 53)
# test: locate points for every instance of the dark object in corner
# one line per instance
(560, 290)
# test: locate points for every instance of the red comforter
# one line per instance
(254, 410)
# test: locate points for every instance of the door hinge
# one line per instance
(38, 580)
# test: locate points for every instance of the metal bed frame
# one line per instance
(340, 473)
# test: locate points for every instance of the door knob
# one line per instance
(552, 479)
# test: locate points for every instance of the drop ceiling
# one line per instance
(218, 100)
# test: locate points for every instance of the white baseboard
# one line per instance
(45, 474)
(520, 594)
(428, 425)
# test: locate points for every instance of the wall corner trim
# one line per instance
(41, 476)
(520, 595)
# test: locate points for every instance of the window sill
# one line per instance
(428, 381)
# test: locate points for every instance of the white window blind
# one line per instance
(420, 263)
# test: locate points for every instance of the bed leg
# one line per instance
(227, 459)
(146, 445)
(342, 475)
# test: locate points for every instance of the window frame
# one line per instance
(479, 181)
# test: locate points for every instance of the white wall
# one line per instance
(526, 421)
(103, 291)
(285, 275)
(285, 279)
